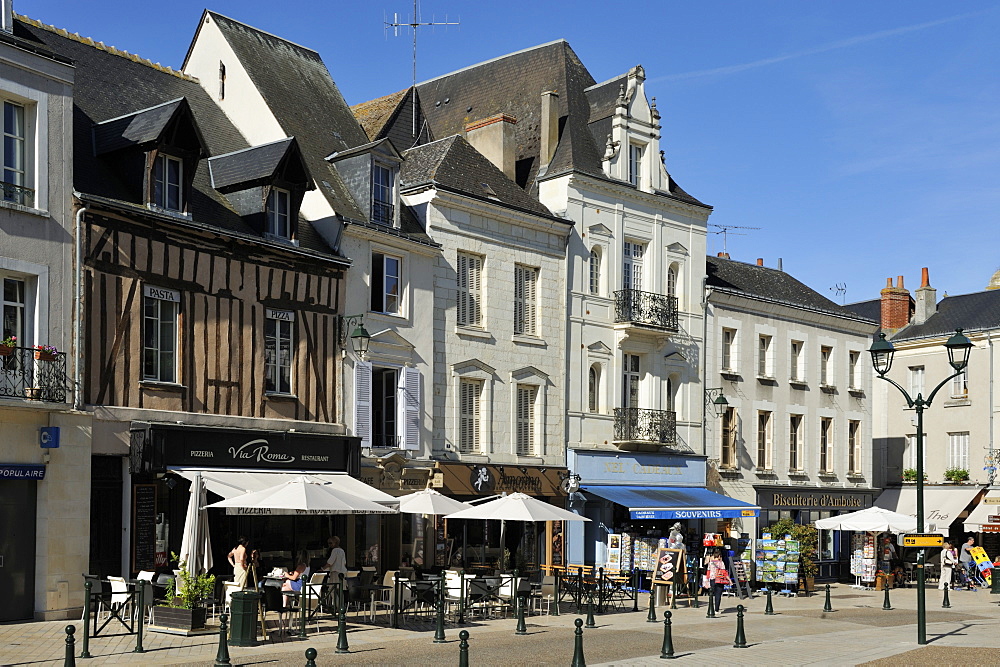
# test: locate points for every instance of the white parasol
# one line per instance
(300, 496)
(196, 546)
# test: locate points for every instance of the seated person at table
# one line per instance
(293, 580)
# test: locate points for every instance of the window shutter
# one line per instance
(463, 289)
(363, 402)
(530, 304)
(408, 407)
(475, 290)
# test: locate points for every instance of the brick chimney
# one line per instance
(897, 306)
(549, 129)
(926, 299)
(494, 138)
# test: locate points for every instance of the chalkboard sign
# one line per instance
(143, 527)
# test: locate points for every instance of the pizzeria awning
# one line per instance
(674, 502)
(941, 505)
(981, 515)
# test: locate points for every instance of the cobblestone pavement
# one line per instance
(858, 632)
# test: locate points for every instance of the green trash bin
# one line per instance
(243, 618)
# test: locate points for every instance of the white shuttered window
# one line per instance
(526, 419)
(525, 304)
(363, 402)
(470, 290)
(470, 398)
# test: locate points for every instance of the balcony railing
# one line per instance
(25, 377)
(384, 441)
(17, 194)
(646, 308)
(642, 425)
(382, 212)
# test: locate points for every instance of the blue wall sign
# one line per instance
(48, 437)
(638, 468)
(21, 471)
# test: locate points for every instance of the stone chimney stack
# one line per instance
(494, 138)
(926, 299)
(549, 129)
(7, 15)
(897, 306)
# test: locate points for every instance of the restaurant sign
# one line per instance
(487, 480)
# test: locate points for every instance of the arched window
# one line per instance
(672, 280)
(595, 270)
(593, 388)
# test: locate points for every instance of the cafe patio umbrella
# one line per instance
(196, 546)
(873, 519)
(429, 501)
(300, 496)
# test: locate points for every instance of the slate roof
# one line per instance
(135, 129)
(110, 84)
(971, 312)
(870, 310)
(772, 285)
(306, 102)
(374, 114)
(453, 164)
(249, 165)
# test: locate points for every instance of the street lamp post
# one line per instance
(958, 356)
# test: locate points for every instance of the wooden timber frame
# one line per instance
(226, 282)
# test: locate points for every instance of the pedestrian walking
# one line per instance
(718, 577)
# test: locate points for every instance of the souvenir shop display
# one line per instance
(627, 541)
(777, 561)
(614, 560)
(863, 565)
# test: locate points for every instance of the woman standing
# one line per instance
(949, 558)
(718, 576)
(239, 559)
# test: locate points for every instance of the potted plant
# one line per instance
(808, 539)
(956, 475)
(7, 346)
(46, 352)
(910, 475)
(184, 607)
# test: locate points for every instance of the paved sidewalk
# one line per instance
(800, 633)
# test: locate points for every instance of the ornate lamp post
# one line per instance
(958, 356)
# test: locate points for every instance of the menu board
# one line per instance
(777, 561)
(669, 566)
(144, 527)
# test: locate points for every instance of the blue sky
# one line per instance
(862, 138)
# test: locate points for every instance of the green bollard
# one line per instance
(826, 605)
(439, 637)
(558, 594)
(741, 638)
(521, 628)
(303, 603)
(635, 589)
(461, 597)
(885, 601)
(463, 648)
(651, 616)
(578, 659)
(140, 586)
(768, 608)
(579, 590)
(946, 603)
(711, 606)
(667, 652)
(222, 655)
(70, 660)
(85, 652)
(342, 646)
(590, 611)
(311, 657)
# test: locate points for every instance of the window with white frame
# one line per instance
(385, 408)
(729, 350)
(854, 369)
(278, 350)
(14, 153)
(672, 281)
(632, 254)
(795, 454)
(854, 446)
(470, 398)
(727, 458)
(910, 452)
(470, 290)
(671, 395)
(765, 362)
(630, 380)
(595, 270)
(635, 154)
(916, 380)
(383, 194)
(167, 183)
(594, 388)
(525, 303)
(960, 385)
(385, 284)
(958, 451)
(387, 402)
(14, 312)
(826, 444)
(279, 206)
(525, 419)
(796, 371)
(765, 449)
(160, 309)
(825, 365)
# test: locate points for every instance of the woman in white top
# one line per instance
(949, 558)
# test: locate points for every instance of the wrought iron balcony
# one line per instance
(23, 376)
(646, 426)
(646, 309)
(17, 194)
(384, 441)
(383, 213)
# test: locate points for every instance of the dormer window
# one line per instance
(167, 183)
(278, 213)
(635, 152)
(383, 194)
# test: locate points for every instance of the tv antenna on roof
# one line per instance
(724, 230)
(413, 24)
(841, 290)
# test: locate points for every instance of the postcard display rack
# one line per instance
(863, 564)
(777, 562)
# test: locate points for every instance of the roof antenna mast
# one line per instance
(724, 230)
(413, 24)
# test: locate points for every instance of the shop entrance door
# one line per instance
(17, 549)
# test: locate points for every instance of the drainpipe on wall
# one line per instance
(992, 464)
(78, 318)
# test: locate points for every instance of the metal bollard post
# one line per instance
(673, 595)
(578, 659)
(342, 646)
(461, 597)
(697, 583)
(885, 601)
(769, 607)
(397, 590)
(946, 603)
(140, 587)
(85, 652)
(439, 637)
(600, 590)
(579, 590)
(635, 589)
(70, 660)
(558, 594)
(303, 601)
(521, 628)
(741, 638)
(341, 594)
(651, 616)
(590, 611)
(826, 605)
(222, 655)
(311, 657)
(463, 648)
(711, 606)
(667, 652)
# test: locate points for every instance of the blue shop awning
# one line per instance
(674, 502)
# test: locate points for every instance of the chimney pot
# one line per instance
(723, 255)
(888, 283)
(925, 278)
(899, 282)
(760, 261)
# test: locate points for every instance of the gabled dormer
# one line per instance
(265, 184)
(155, 151)
(371, 172)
